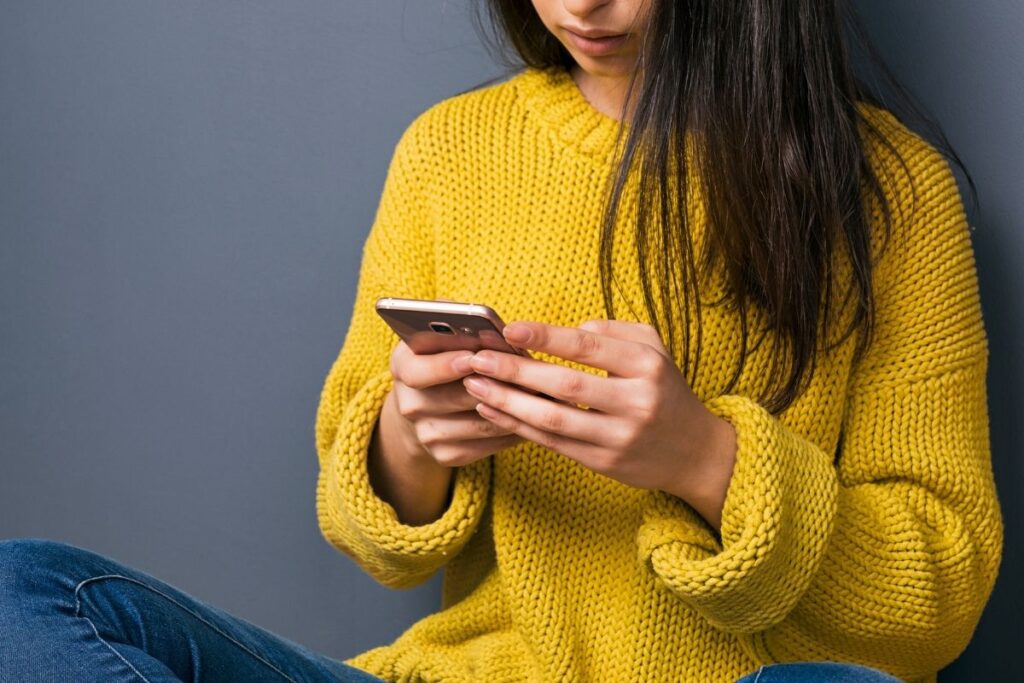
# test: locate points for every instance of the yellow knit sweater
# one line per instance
(861, 524)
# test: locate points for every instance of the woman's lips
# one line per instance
(596, 47)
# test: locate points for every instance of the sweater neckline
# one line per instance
(553, 97)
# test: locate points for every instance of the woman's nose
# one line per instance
(581, 8)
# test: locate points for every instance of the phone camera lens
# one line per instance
(442, 328)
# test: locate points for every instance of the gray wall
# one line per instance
(184, 192)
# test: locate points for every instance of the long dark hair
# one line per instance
(769, 85)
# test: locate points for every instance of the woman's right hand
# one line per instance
(436, 412)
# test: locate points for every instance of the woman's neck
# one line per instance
(604, 93)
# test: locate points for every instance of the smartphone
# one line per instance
(429, 326)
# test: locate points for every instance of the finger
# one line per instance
(461, 453)
(567, 384)
(441, 399)
(581, 425)
(627, 330)
(468, 425)
(622, 357)
(587, 454)
(426, 370)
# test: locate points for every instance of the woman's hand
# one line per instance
(643, 426)
(436, 413)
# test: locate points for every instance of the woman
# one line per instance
(779, 454)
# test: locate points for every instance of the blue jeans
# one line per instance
(817, 672)
(68, 615)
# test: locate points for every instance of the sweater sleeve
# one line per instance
(397, 260)
(885, 552)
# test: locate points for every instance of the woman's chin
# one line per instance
(616, 66)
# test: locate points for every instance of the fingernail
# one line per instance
(483, 363)
(475, 386)
(486, 410)
(517, 333)
(462, 364)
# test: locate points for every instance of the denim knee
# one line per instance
(27, 565)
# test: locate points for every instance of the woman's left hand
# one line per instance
(643, 426)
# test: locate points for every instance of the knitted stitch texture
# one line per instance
(861, 524)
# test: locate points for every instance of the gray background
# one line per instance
(184, 191)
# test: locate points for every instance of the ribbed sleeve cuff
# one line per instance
(776, 523)
(366, 527)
